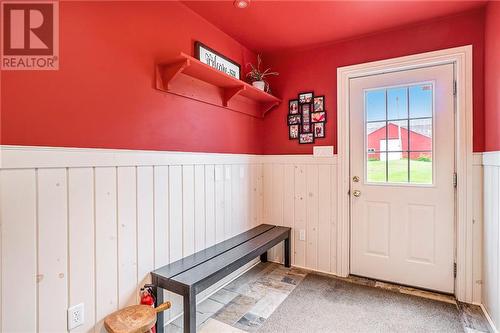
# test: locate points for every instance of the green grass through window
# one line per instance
(420, 171)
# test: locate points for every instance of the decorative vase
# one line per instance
(259, 85)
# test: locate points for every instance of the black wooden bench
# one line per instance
(191, 275)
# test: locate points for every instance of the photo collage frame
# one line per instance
(306, 118)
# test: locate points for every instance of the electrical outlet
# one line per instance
(302, 235)
(323, 151)
(76, 316)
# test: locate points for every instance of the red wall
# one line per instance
(315, 69)
(103, 94)
(492, 77)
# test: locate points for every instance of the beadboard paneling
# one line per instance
(300, 192)
(92, 232)
(20, 275)
(89, 225)
(491, 236)
(477, 228)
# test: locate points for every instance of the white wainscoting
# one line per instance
(491, 234)
(300, 192)
(477, 229)
(88, 225)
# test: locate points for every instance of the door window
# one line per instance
(398, 134)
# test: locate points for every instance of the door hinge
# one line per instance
(455, 269)
(455, 179)
(454, 88)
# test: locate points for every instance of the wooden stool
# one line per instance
(134, 319)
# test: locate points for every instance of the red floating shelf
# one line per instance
(229, 87)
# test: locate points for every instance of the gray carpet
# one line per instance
(323, 304)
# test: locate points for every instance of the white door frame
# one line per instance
(461, 57)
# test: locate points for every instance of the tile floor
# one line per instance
(244, 304)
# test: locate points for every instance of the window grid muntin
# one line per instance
(408, 120)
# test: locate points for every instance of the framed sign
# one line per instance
(216, 60)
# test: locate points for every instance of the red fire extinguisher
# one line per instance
(148, 298)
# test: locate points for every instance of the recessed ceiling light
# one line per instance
(241, 3)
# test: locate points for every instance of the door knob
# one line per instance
(356, 193)
(355, 179)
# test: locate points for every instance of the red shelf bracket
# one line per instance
(229, 93)
(167, 72)
(268, 106)
(214, 87)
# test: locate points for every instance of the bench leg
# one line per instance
(190, 312)
(159, 316)
(287, 252)
(263, 257)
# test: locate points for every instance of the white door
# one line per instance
(401, 169)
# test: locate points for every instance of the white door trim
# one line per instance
(461, 57)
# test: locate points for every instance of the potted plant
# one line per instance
(256, 76)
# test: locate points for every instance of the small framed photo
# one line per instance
(293, 106)
(306, 97)
(319, 103)
(294, 119)
(293, 132)
(319, 130)
(305, 112)
(305, 108)
(306, 138)
(318, 117)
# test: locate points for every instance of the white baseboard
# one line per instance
(310, 270)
